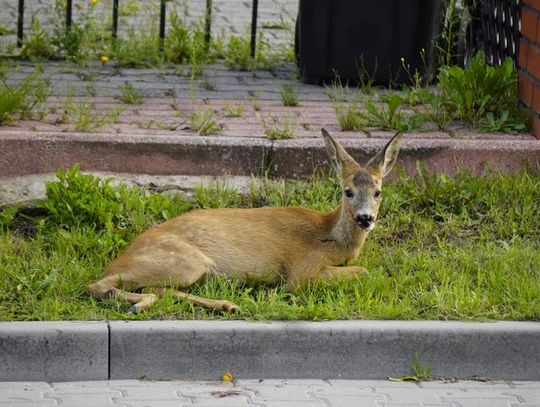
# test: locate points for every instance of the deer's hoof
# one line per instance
(228, 307)
(133, 310)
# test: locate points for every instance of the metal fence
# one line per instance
(162, 21)
(494, 29)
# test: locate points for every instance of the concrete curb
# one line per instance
(54, 351)
(203, 350)
(33, 153)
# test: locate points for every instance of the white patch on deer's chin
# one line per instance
(371, 227)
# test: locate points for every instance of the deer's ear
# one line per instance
(384, 160)
(342, 161)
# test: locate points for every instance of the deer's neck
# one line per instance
(346, 234)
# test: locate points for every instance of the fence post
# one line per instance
(162, 13)
(115, 19)
(254, 27)
(69, 8)
(208, 23)
(20, 23)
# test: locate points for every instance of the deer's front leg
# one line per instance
(341, 272)
(327, 273)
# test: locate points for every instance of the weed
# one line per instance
(388, 116)
(80, 199)
(186, 45)
(277, 131)
(234, 110)
(140, 49)
(254, 99)
(349, 117)
(346, 105)
(289, 95)
(129, 8)
(85, 39)
(238, 53)
(6, 31)
(208, 85)
(21, 99)
(154, 124)
(39, 44)
(85, 119)
(472, 92)
(419, 372)
(451, 34)
(130, 96)
(502, 124)
(275, 25)
(204, 122)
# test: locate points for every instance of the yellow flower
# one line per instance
(227, 377)
(104, 59)
(402, 60)
(94, 2)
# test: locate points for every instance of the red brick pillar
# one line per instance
(529, 60)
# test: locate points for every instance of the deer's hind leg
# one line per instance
(215, 305)
(108, 288)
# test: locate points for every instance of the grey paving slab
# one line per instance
(249, 393)
(53, 351)
(338, 349)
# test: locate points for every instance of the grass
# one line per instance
(84, 116)
(129, 95)
(289, 95)
(274, 130)
(234, 109)
(444, 248)
(20, 100)
(346, 105)
(419, 372)
(204, 122)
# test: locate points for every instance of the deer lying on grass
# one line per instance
(268, 244)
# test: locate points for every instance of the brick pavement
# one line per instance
(170, 99)
(271, 393)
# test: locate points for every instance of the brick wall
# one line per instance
(529, 60)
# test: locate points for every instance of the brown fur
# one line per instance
(267, 244)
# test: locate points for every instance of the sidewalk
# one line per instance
(271, 393)
(156, 138)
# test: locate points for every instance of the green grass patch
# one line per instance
(22, 99)
(445, 247)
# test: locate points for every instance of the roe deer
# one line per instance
(268, 244)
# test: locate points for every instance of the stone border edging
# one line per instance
(34, 153)
(203, 350)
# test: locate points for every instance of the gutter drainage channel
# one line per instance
(204, 350)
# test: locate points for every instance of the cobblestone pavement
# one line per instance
(271, 393)
(170, 100)
(228, 16)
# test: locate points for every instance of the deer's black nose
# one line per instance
(364, 220)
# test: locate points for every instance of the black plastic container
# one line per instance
(347, 37)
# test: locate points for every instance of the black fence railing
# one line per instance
(162, 21)
(495, 29)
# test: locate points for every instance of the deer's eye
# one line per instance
(349, 193)
(377, 193)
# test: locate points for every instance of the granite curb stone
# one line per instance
(204, 350)
(54, 351)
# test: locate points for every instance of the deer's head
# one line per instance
(362, 185)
